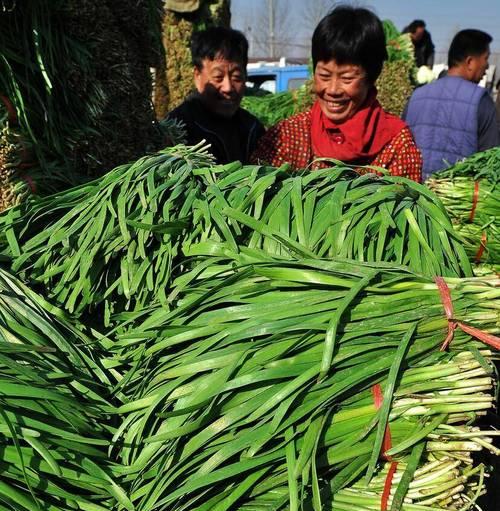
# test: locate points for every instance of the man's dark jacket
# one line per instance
(231, 139)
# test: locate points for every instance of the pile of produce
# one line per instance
(54, 410)
(241, 338)
(470, 192)
(119, 241)
(399, 46)
(70, 73)
(395, 85)
(397, 80)
(12, 186)
(114, 237)
(337, 214)
(272, 108)
(260, 385)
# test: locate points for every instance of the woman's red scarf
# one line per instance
(359, 139)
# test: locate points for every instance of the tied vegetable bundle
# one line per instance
(255, 392)
(12, 186)
(470, 192)
(69, 73)
(445, 480)
(336, 213)
(54, 414)
(397, 80)
(112, 240)
(117, 243)
(399, 46)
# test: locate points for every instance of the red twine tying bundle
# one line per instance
(444, 290)
(378, 398)
(481, 249)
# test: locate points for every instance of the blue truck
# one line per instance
(276, 78)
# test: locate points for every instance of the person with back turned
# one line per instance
(452, 117)
(213, 111)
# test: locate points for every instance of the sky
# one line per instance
(443, 18)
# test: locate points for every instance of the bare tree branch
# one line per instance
(270, 34)
(313, 12)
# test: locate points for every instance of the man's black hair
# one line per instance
(351, 35)
(218, 42)
(414, 25)
(468, 43)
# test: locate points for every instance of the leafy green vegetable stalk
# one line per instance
(242, 387)
(470, 192)
(55, 425)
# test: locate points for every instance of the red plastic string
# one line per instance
(30, 182)
(475, 199)
(384, 503)
(378, 398)
(11, 111)
(482, 248)
(444, 291)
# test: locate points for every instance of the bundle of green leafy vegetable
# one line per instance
(274, 107)
(55, 421)
(399, 46)
(118, 242)
(113, 240)
(338, 214)
(70, 73)
(470, 192)
(255, 391)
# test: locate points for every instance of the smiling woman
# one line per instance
(341, 89)
(346, 122)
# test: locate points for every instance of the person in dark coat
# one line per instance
(452, 117)
(422, 43)
(213, 111)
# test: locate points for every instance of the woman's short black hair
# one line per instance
(468, 43)
(351, 35)
(222, 42)
(412, 27)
